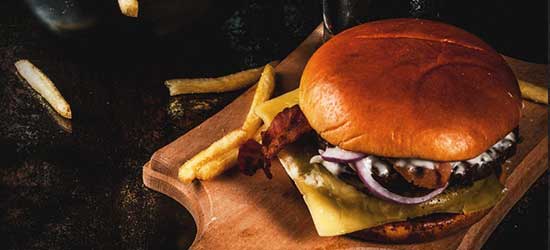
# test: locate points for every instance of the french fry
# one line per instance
(222, 154)
(226, 83)
(188, 171)
(219, 165)
(129, 7)
(62, 122)
(264, 90)
(533, 92)
(44, 86)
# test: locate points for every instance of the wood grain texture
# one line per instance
(240, 212)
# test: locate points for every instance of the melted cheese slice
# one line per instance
(269, 109)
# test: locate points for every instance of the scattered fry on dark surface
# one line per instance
(44, 86)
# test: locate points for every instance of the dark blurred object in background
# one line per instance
(507, 25)
(342, 14)
(514, 28)
(66, 16)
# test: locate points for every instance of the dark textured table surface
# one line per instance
(81, 188)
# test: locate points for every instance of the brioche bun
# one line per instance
(410, 88)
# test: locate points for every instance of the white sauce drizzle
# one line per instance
(313, 180)
(459, 169)
(316, 159)
(381, 167)
(416, 163)
(332, 167)
(492, 153)
(458, 166)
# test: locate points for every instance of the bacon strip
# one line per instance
(251, 158)
(287, 127)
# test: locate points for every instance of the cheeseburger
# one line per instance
(399, 132)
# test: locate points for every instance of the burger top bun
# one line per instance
(410, 88)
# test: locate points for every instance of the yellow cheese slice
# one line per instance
(269, 109)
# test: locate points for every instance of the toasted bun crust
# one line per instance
(421, 229)
(410, 88)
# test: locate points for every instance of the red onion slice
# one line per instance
(364, 170)
(336, 154)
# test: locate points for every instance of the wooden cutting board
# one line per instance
(240, 212)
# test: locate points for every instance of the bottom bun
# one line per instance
(419, 229)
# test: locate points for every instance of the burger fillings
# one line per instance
(338, 161)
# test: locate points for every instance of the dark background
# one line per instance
(83, 189)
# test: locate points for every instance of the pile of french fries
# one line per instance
(222, 154)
